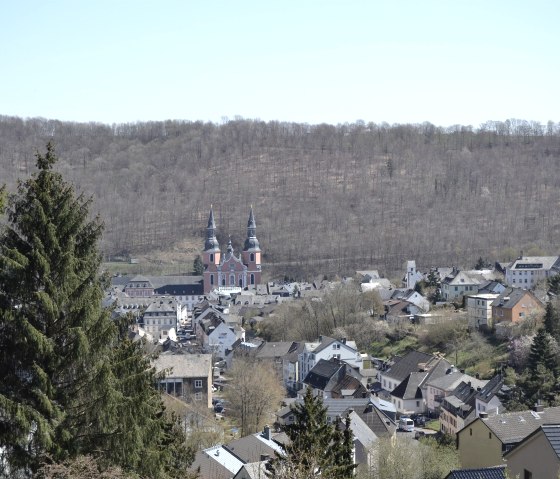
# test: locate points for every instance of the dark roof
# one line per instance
(511, 296)
(377, 420)
(552, 433)
(272, 350)
(407, 364)
(498, 472)
(409, 388)
(321, 373)
(491, 389)
(350, 383)
(249, 448)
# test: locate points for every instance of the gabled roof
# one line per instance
(321, 373)
(349, 386)
(491, 388)
(272, 350)
(551, 433)
(449, 381)
(410, 362)
(535, 262)
(461, 278)
(498, 472)
(216, 463)
(409, 388)
(251, 448)
(513, 427)
(511, 296)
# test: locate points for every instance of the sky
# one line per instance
(396, 61)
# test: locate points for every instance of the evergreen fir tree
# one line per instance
(315, 448)
(198, 266)
(552, 321)
(70, 384)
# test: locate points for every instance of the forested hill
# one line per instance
(327, 199)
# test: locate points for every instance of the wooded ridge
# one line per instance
(327, 199)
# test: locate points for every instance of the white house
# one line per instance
(527, 271)
(479, 310)
(459, 283)
(327, 348)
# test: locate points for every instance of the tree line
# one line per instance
(328, 198)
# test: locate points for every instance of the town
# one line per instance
(227, 343)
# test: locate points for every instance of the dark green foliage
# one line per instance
(198, 266)
(542, 353)
(554, 284)
(482, 263)
(315, 447)
(71, 384)
(552, 321)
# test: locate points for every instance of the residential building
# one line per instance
(458, 407)
(527, 271)
(188, 376)
(514, 305)
(284, 357)
(537, 456)
(439, 388)
(479, 310)
(484, 441)
(459, 283)
(487, 399)
(328, 348)
(161, 315)
(498, 472)
(335, 379)
(186, 290)
(230, 272)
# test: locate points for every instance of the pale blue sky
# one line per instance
(447, 62)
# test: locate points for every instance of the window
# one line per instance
(252, 256)
(211, 257)
(232, 280)
(489, 435)
(252, 278)
(417, 403)
(211, 279)
(470, 431)
(197, 396)
(527, 474)
(456, 288)
(336, 356)
(198, 383)
(336, 346)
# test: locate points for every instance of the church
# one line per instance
(227, 271)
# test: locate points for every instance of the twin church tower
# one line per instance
(227, 270)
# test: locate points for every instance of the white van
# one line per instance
(406, 424)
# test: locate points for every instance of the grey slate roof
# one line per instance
(498, 472)
(321, 373)
(407, 364)
(409, 388)
(271, 350)
(552, 433)
(513, 427)
(491, 388)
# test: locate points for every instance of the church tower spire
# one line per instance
(211, 255)
(252, 252)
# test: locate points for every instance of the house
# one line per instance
(479, 310)
(487, 399)
(459, 283)
(498, 472)
(538, 455)
(410, 395)
(188, 376)
(335, 379)
(216, 463)
(216, 331)
(527, 271)
(252, 470)
(418, 304)
(401, 367)
(284, 357)
(484, 441)
(458, 407)
(257, 447)
(161, 315)
(328, 348)
(514, 305)
(439, 388)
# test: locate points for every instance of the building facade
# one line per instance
(228, 271)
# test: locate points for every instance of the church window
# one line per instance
(232, 280)
(223, 281)
(241, 282)
(252, 278)
(211, 257)
(211, 279)
(252, 256)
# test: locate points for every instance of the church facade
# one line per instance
(228, 271)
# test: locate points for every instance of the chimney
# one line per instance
(483, 416)
(266, 432)
(538, 407)
(320, 339)
(265, 457)
(343, 340)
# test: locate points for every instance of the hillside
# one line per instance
(328, 199)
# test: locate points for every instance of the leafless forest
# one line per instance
(327, 199)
